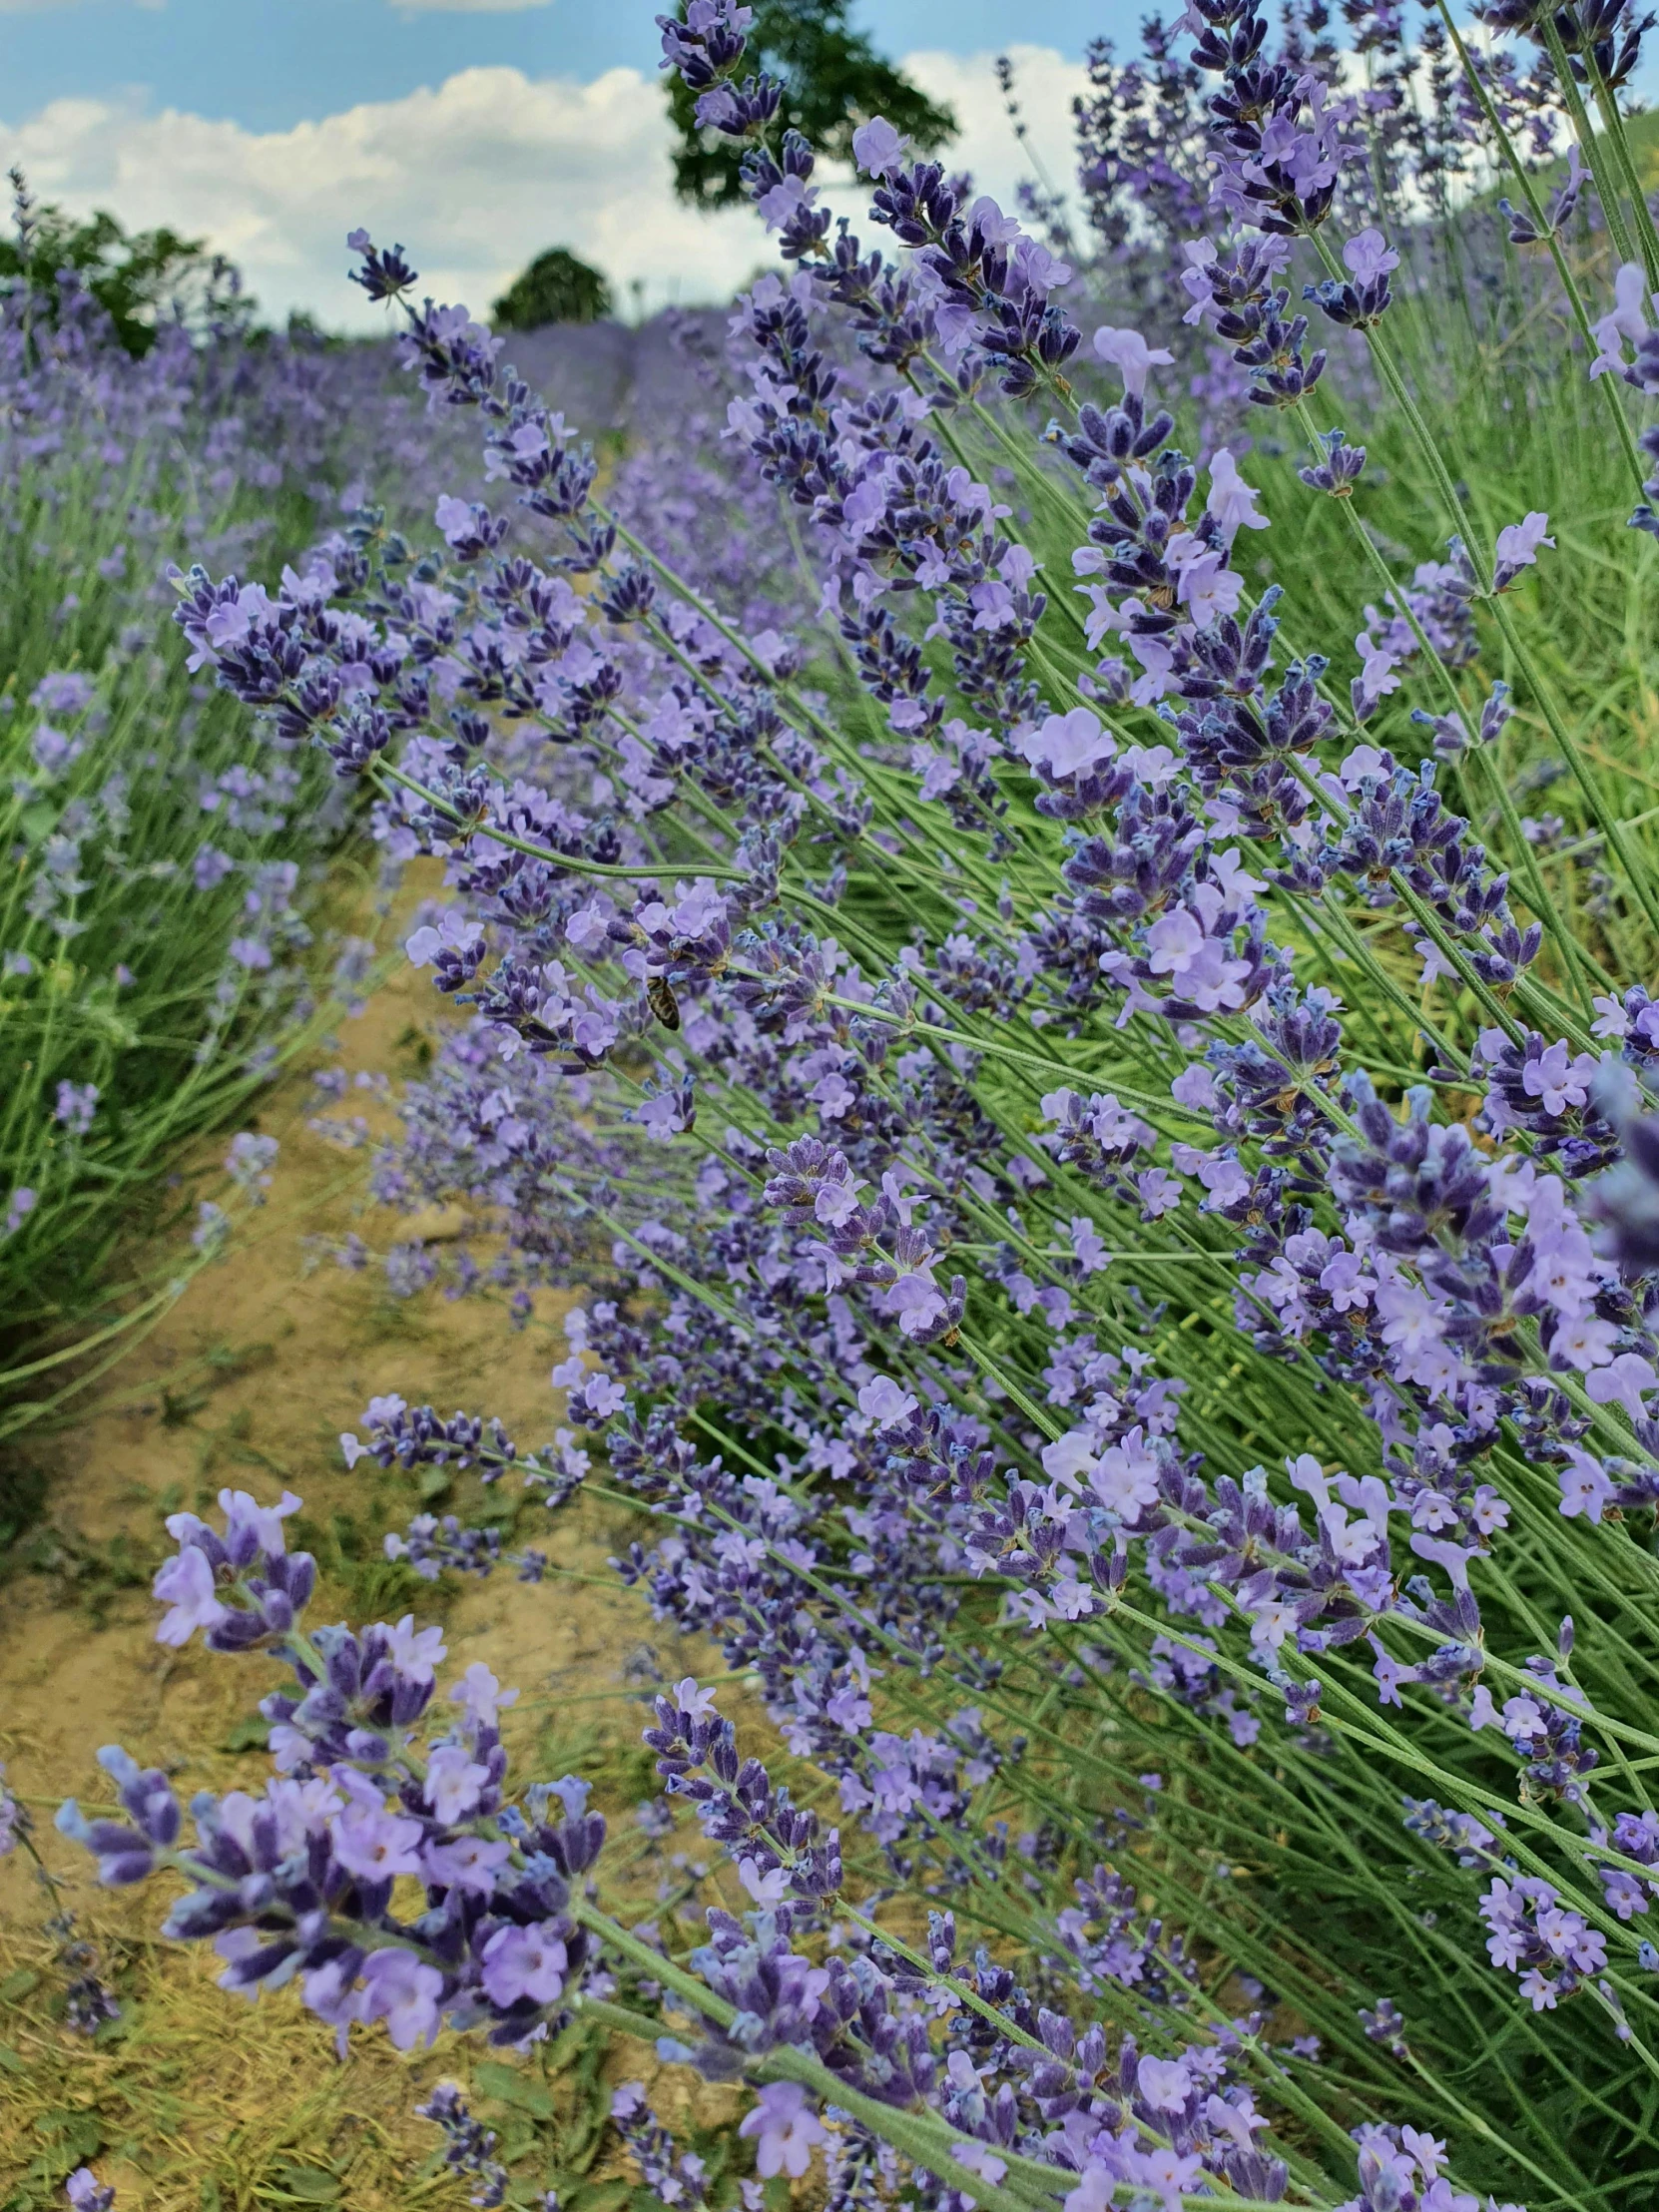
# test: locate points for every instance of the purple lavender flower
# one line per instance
(1129, 354)
(19, 1206)
(877, 1025)
(877, 147)
(1533, 1937)
(77, 1103)
(249, 1164)
(785, 2131)
(64, 693)
(468, 2145)
(1517, 548)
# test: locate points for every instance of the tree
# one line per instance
(833, 79)
(136, 278)
(556, 287)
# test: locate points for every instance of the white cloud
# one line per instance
(475, 177)
(1045, 84)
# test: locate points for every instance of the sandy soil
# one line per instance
(190, 2100)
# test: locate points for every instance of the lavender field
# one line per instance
(1018, 881)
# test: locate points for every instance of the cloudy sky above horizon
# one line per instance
(478, 132)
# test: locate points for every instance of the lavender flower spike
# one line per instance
(1517, 548)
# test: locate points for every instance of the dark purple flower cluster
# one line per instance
(298, 1881)
(469, 2145)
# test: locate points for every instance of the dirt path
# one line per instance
(189, 2101)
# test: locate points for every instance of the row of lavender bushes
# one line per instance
(152, 950)
(1057, 929)
(161, 949)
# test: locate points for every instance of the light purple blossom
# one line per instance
(371, 1842)
(979, 2159)
(482, 1694)
(524, 1962)
(245, 1515)
(883, 1404)
(1518, 544)
(1626, 323)
(415, 1652)
(53, 751)
(186, 1584)
(77, 1103)
(1233, 504)
(1068, 743)
(454, 517)
(403, 1992)
(785, 2131)
(468, 1863)
(767, 1886)
(454, 931)
(1165, 2084)
(19, 1206)
(1128, 352)
(877, 147)
(1622, 1383)
(1368, 257)
(454, 1782)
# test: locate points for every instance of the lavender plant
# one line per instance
(1113, 1166)
(154, 946)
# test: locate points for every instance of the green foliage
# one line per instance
(551, 2120)
(556, 287)
(136, 276)
(833, 79)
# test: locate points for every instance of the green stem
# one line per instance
(923, 2139)
(1611, 829)
(1589, 144)
(1543, 905)
(1547, 230)
(1613, 125)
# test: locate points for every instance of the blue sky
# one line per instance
(267, 64)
